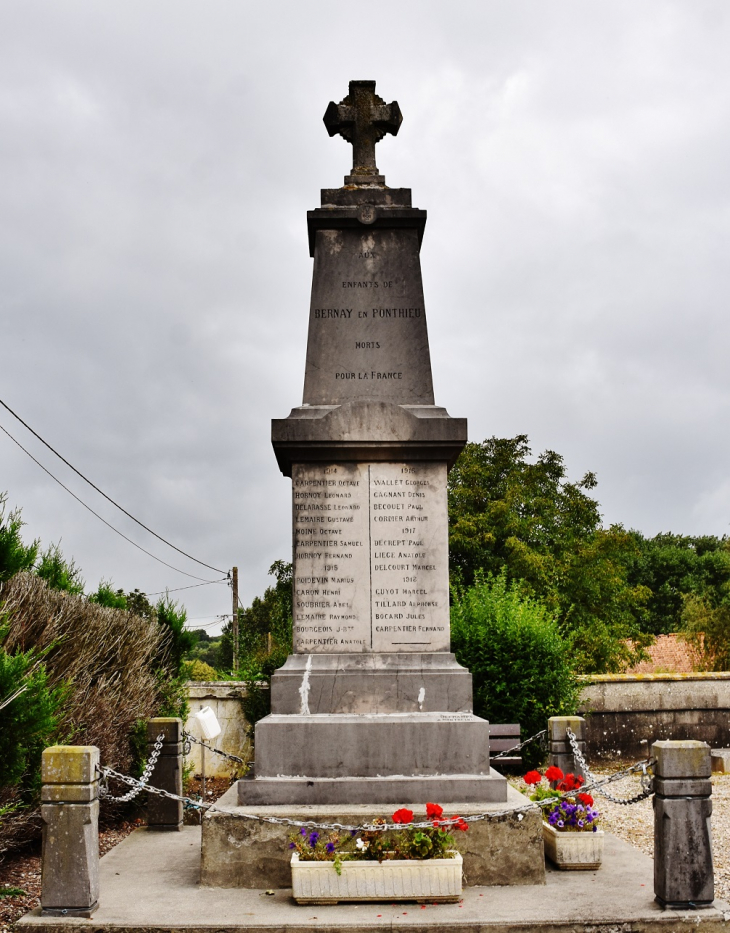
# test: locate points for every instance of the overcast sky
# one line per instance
(156, 163)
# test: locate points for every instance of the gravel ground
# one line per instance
(635, 823)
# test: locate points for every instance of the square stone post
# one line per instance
(683, 873)
(70, 812)
(561, 753)
(162, 813)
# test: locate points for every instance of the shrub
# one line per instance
(107, 658)
(199, 670)
(519, 660)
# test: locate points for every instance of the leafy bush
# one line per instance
(30, 711)
(14, 555)
(707, 630)
(519, 660)
(199, 670)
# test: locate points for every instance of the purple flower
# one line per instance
(595, 828)
(330, 847)
(303, 831)
(561, 823)
(313, 839)
(292, 846)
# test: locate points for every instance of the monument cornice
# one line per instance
(366, 215)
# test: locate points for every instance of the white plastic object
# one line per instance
(209, 725)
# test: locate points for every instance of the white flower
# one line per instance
(361, 844)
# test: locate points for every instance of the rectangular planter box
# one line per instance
(573, 851)
(437, 879)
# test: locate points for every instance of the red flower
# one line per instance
(403, 816)
(586, 799)
(434, 811)
(554, 774)
(533, 777)
(571, 782)
(460, 824)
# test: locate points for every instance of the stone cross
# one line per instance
(363, 119)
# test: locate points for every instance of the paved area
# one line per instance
(149, 882)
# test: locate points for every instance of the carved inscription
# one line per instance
(367, 325)
(370, 558)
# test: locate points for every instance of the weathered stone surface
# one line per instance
(721, 760)
(372, 683)
(245, 854)
(683, 870)
(370, 431)
(224, 698)
(367, 326)
(561, 751)
(363, 119)
(162, 813)
(333, 746)
(370, 558)
(70, 863)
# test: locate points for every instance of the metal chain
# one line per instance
(141, 784)
(646, 778)
(516, 748)
(518, 812)
(191, 738)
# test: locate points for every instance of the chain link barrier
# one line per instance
(647, 782)
(139, 785)
(517, 748)
(518, 812)
(189, 739)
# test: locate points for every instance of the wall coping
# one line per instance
(638, 678)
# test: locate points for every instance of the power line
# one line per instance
(88, 508)
(108, 498)
(190, 587)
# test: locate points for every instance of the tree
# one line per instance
(270, 615)
(674, 567)
(707, 629)
(526, 519)
(14, 555)
(521, 664)
(59, 573)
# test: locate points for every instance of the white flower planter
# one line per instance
(437, 879)
(573, 851)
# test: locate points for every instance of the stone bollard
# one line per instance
(70, 812)
(163, 813)
(561, 753)
(683, 873)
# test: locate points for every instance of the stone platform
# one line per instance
(150, 882)
(246, 854)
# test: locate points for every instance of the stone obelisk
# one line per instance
(371, 707)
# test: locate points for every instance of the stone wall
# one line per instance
(224, 698)
(625, 713)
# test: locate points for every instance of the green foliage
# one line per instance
(106, 595)
(520, 662)
(674, 567)
(14, 555)
(707, 629)
(59, 573)
(270, 616)
(207, 649)
(171, 617)
(199, 670)
(30, 712)
(527, 520)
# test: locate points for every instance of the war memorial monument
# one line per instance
(371, 710)
(371, 707)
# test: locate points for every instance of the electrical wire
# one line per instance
(108, 498)
(192, 586)
(88, 508)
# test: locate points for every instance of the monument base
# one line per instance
(371, 682)
(298, 791)
(241, 853)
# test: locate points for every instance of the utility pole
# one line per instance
(234, 587)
